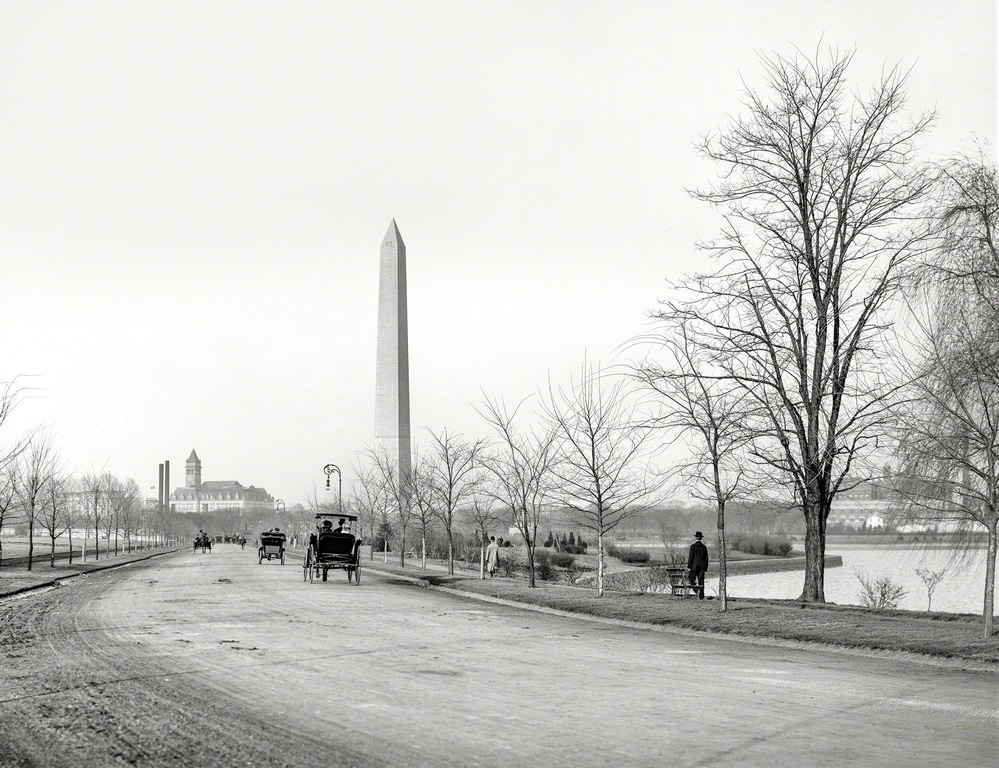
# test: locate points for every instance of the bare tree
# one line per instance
(129, 508)
(601, 468)
(454, 473)
(37, 466)
(714, 413)
(54, 515)
(114, 499)
(93, 488)
(368, 499)
(8, 496)
(424, 501)
(398, 492)
(818, 193)
(520, 465)
(481, 513)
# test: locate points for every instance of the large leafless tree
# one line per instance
(818, 194)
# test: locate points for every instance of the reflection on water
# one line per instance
(962, 589)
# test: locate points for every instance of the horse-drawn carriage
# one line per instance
(271, 546)
(333, 548)
(203, 542)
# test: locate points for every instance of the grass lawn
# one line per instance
(947, 636)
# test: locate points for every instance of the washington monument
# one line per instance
(392, 439)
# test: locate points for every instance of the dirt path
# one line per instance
(214, 660)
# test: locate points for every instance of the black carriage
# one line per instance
(271, 546)
(333, 546)
(203, 542)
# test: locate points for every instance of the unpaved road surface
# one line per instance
(213, 660)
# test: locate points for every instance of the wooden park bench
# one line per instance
(679, 582)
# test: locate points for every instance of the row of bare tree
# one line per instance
(846, 319)
(40, 496)
(587, 448)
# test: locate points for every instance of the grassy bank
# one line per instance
(946, 636)
(14, 577)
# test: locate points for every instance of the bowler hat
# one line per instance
(698, 535)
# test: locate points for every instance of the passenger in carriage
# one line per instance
(339, 528)
(325, 529)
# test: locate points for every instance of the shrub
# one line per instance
(880, 594)
(760, 544)
(543, 567)
(574, 549)
(508, 565)
(562, 559)
(627, 555)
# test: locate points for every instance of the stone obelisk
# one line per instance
(392, 437)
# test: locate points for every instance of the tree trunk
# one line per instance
(450, 554)
(69, 535)
(530, 565)
(814, 590)
(52, 552)
(31, 544)
(600, 563)
(990, 581)
(722, 558)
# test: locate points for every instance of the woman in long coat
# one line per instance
(492, 556)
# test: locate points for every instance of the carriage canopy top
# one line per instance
(335, 516)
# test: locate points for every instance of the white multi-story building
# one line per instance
(210, 495)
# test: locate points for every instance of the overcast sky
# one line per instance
(193, 196)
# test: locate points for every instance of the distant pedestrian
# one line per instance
(697, 564)
(492, 556)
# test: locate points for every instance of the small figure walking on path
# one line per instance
(492, 556)
(697, 564)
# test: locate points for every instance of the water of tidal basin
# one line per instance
(962, 589)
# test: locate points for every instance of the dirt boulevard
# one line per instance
(215, 660)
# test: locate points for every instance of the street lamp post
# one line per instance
(279, 506)
(329, 469)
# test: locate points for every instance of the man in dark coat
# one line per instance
(697, 564)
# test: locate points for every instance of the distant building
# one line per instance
(210, 495)
(864, 505)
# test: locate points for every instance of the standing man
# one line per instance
(697, 564)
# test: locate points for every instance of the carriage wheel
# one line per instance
(326, 573)
(306, 565)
